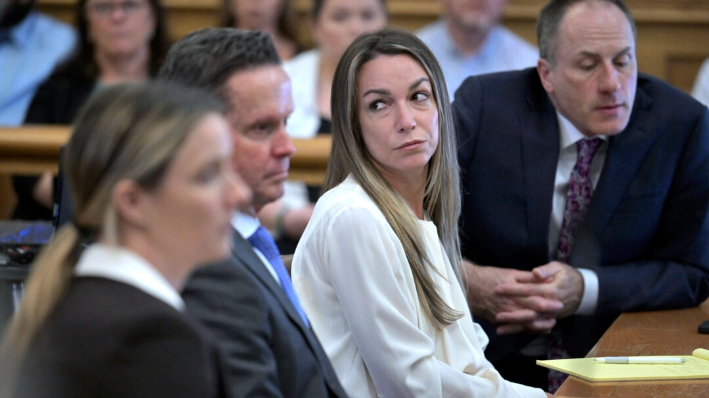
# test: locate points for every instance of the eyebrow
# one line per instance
(387, 92)
(592, 54)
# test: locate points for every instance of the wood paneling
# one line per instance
(34, 149)
(673, 39)
(673, 34)
(7, 196)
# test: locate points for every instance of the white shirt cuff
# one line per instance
(589, 301)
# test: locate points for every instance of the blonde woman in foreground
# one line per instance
(377, 266)
(151, 181)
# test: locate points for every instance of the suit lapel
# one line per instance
(540, 147)
(626, 152)
(242, 250)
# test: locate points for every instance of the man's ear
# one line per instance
(544, 69)
(130, 202)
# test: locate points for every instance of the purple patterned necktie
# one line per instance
(578, 199)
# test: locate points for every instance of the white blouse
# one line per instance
(356, 286)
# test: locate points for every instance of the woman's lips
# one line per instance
(411, 145)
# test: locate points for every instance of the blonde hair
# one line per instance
(124, 132)
(350, 156)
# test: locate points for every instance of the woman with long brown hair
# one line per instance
(377, 269)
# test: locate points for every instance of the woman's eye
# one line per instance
(376, 105)
(420, 96)
(209, 173)
(368, 15)
(340, 16)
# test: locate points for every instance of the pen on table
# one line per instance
(647, 360)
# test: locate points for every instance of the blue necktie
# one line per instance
(262, 240)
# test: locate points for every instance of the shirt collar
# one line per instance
(123, 265)
(245, 224)
(444, 39)
(568, 133)
(486, 48)
(490, 45)
(21, 34)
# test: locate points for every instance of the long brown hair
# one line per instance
(350, 156)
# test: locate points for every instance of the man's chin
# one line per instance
(265, 198)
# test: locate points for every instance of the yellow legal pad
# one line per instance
(695, 367)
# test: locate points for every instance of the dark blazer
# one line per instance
(57, 101)
(269, 350)
(647, 231)
(107, 339)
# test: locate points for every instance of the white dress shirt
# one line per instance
(246, 225)
(304, 122)
(354, 281)
(122, 265)
(303, 70)
(700, 89)
(569, 135)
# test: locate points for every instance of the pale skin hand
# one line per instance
(554, 281)
(532, 313)
(43, 190)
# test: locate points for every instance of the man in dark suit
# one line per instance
(248, 301)
(564, 231)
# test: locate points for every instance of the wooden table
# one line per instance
(647, 333)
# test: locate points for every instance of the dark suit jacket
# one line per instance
(107, 339)
(647, 231)
(270, 352)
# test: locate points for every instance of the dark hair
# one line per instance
(550, 19)
(286, 24)
(319, 4)
(350, 156)
(83, 62)
(207, 58)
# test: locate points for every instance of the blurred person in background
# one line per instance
(119, 42)
(469, 40)
(274, 17)
(335, 24)
(149, 168)
(31, 44)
